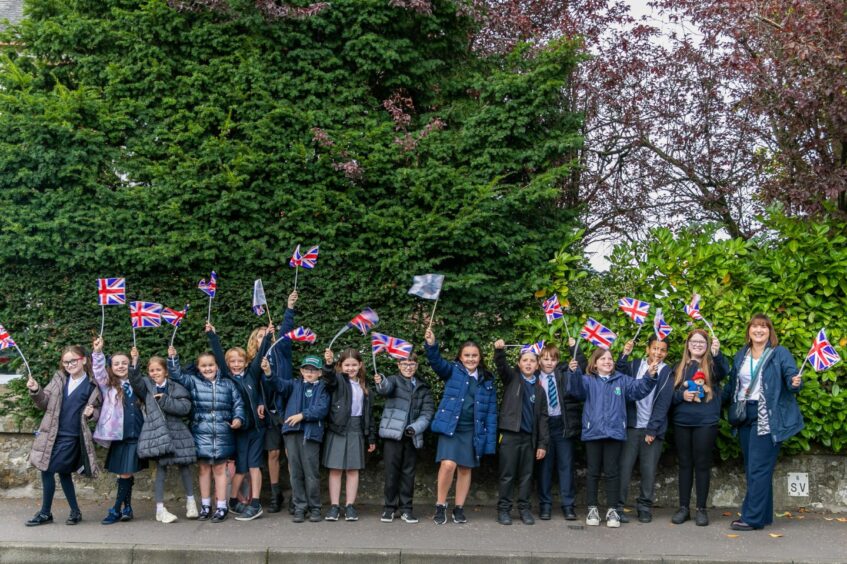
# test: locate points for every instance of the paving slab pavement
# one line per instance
(805, 538)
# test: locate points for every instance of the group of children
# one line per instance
(242, 403)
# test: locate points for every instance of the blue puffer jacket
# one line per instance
(604, 413)
(456, 377)
(216, 403)
(784, 414)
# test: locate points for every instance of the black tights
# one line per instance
(48, 490)
(694, 447)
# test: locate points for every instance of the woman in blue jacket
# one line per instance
(772, 415)
(466, 421)
(696, 413)
(605, 392)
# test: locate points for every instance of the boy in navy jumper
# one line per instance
(306, 404)
(408, 411)
(646, 422)
(524, 431)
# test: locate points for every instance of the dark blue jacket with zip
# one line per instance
(604, 412)
(455, 378)
(662, 400)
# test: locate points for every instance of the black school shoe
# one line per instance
(526, 517)
(74, 518)
(250, 512)
(739, 525)
(220, 515)
(681, 516)
(299, 516)
(570, 513)
(701, 518)
(621, 515)
(315, 515)
(644, 516)
(504, 518)
(205, 513)
(40, 519)
(545, 512)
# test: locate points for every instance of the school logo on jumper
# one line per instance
(532, 398)
(617, 390)
(309, 392)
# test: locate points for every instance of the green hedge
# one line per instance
(158, 145)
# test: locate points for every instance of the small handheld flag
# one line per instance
(110, 291)
(635, 309)
(428, 287)
(597, 334)
(394, 347)
(660, 326)
(6, 342)
(692, 309)
(209, 288)
(174, 317)
(301, 335)
(822, 355)
(364, 322)
(534, 348)
(260, 303)
(144, 314)
(308, 260)
(552, 309)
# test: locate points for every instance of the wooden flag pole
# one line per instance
(102, 319)
(209, 314)
(432, 315)
(23, 358)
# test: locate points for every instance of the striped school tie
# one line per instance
(553, 396)
(127, 390)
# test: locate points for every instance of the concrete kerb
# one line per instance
(143, 553)
(334, 556)
(463, 557)
(64, 553)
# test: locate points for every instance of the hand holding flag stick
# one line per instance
(6, 341)
(300, 335)
(692, 309)
(364, 322)
(428, 287)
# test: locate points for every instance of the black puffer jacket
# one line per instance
(164, 436)
(511, 408)
(341, 402)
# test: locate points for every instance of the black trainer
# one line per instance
(440, 516)
(74, 518)
(408, 517)
(387, 516)
(250, 512)
(350, 513)
(459, 514)
(333, 514)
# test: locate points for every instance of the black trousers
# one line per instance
(603, 456)
(517, 461)
(694, 448)
(400, 458)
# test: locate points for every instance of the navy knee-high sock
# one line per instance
(128, 496)
(120, 495)
(70, 491)
(48, 490)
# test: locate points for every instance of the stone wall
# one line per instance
(827, 479)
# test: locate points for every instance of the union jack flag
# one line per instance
(534, 348)
(822, 355)
(174, 317)
(396, 348)
(660, 326)
(6, 340)
(209, 288)
(365, 321)
(595, 333)
(145, 314)
(635, 309)
(693, 309)
(552, 309)
(306, 261)
(301, 334)
(111, 291)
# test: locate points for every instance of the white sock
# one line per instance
(190, 499)
(159, 507)
(221, 504)
(207, 501)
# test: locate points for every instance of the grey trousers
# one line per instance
(304, 459)
(648, 457)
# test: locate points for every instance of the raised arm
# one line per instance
(506, 372)
(217, 349)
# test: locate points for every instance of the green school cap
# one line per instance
(313, 361)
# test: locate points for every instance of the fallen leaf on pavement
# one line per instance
(786, 514)
(829, 519)
(727, 513)
(775, 535)
(732, 536)
(841, 519)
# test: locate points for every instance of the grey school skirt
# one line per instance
(347, 451)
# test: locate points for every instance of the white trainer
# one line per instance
(191, 509)
(613, 520)
(593, 518)
(165, 516)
